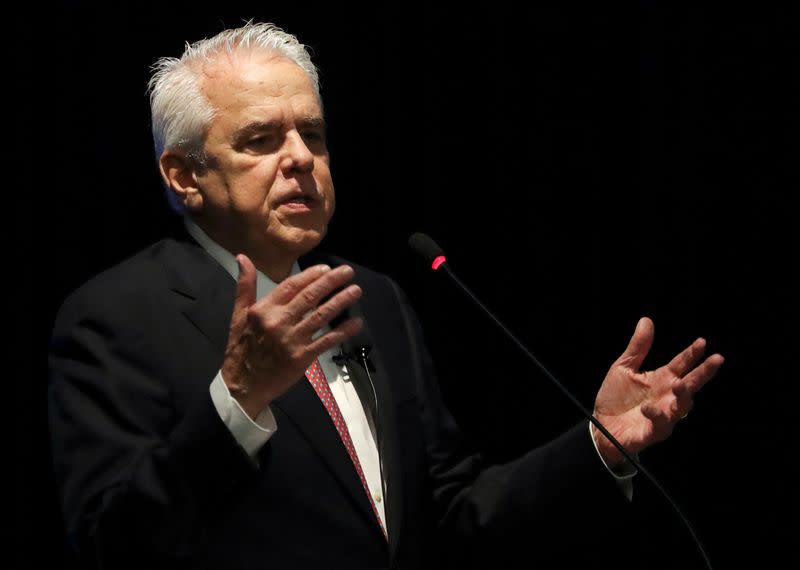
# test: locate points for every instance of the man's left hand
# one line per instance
(640, 408)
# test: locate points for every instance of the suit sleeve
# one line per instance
(139, 481)
(488, 509)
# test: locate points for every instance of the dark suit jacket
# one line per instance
(150, 476)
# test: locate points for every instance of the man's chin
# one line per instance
(304, 241)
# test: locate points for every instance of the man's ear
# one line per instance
(180, 174)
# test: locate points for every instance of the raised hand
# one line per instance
(640, 408)
(270, 343)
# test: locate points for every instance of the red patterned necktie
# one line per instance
(318, 380)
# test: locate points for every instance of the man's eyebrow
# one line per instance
(274, 125)
(254, 127)
(312, 122)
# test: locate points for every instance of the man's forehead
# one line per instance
(254, 85)
(248, 67)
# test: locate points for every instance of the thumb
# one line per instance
(245, 286)
(639, 345)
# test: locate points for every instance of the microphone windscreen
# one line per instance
(425, 246)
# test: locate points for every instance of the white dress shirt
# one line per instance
(252, 435)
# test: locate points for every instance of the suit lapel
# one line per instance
(203, 291)
(365, 376)
(303, 408)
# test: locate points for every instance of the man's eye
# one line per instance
(261, 140)
(315, 136)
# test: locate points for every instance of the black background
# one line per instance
(582, 165)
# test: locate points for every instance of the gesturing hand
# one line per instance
(640, 408)
(270, 344)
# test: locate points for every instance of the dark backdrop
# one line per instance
(582, 165)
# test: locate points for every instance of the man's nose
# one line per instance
(297, 155)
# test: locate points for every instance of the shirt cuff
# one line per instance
(251, 435)
(623, 473)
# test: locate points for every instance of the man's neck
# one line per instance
(276, 267)
(277, 271)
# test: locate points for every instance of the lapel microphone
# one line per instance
(356, 351)
(356, 348)
(359, 353)
(434, 255)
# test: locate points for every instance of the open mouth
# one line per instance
(298, 203)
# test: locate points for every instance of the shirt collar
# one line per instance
(228, 261)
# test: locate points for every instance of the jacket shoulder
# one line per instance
(134, 284)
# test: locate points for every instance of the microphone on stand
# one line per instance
(434, 255)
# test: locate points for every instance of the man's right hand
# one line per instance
(270, 344)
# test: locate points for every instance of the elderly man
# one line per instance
(228, 399)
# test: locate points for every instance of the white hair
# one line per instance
(180, 111)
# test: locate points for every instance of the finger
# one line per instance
(291, 286)
(326, 312)
(687, 358)
(697, 378)
(683, 398)
(337, 336)
(317, 290)
(639, 345)
(245, 287)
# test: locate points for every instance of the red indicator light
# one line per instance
(437, 262)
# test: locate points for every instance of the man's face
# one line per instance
(267, 181)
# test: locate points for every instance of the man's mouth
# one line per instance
(298, 203)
